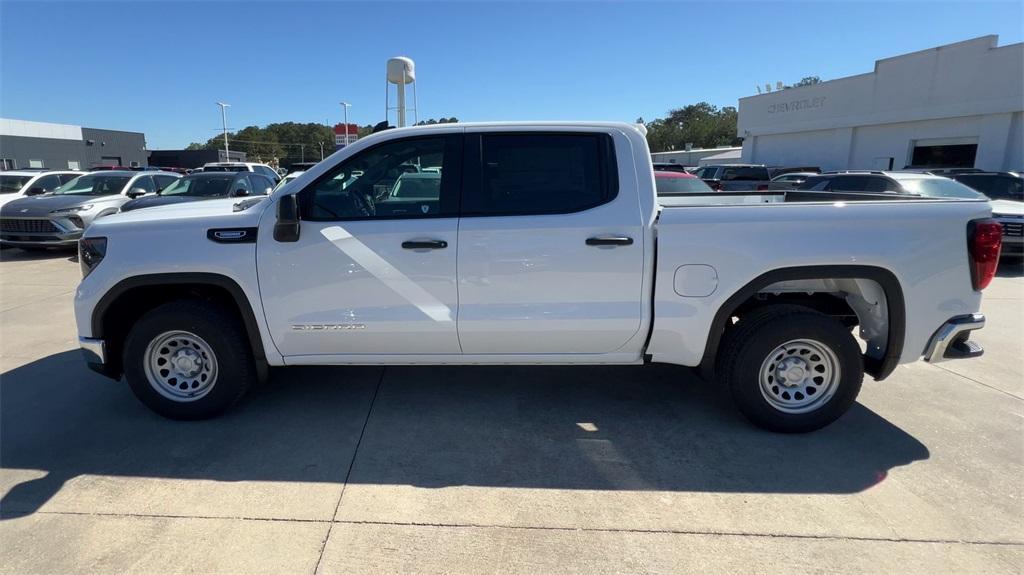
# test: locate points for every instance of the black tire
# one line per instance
(755, 338)
(226, 338)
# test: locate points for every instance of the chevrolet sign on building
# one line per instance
(958, 105)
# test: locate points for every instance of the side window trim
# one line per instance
(472, 180)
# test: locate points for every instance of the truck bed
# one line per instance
(719, 243)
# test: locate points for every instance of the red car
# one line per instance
(676, 183)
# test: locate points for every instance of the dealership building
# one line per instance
(960, 104)
(25, 144)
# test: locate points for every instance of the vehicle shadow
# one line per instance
(619, 428)
(20, 255)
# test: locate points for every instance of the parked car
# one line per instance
(16, 184)
(1006, 190)
(674, 183)
(57, 219)
(205, 186)
(545, 245)
(669, 167)
(735, 177)
(262, 169)
(904, 183)
(789, 180)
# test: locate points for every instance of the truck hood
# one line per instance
(41, 206)
(214, 209)
(1007, 207)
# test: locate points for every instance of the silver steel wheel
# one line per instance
(799, 376)
(180, 366)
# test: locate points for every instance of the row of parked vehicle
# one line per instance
(41, 209)
(1005, 190)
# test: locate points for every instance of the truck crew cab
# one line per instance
(540, 243)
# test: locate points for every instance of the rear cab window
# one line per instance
(538, 173)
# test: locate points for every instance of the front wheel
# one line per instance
(791, 369)
(188, 360)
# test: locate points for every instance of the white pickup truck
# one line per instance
(534, 243)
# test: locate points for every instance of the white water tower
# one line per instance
(401, 72)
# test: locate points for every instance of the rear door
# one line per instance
(550, 245)
(369, 274)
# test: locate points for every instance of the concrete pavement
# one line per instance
(481, 469)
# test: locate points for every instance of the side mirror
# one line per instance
(35, 191)
(136, 192)
(240, 192)
(287, 227)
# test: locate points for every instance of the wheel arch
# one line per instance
(890, 285)
(133, 296)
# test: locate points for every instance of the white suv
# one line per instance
(20, 183)
(262, 169)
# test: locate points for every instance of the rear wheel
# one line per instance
(188, 360)
(791, 369)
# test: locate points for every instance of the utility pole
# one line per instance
(346, 106)
(302, 152)
(321, 151)
(224, 124)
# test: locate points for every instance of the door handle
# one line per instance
(425, 245)
(610, 241)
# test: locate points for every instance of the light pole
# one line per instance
(224, 124)
(321, 151)
(346, 106)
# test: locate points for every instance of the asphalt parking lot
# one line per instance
(511, 470)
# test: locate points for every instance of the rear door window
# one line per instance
(261, 185)
(163, 181)
(145, 183)
(47, 183)
(540, 173)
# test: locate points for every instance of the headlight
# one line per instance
(90, 253)
(73, 210)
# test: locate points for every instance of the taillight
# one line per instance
(985, 238)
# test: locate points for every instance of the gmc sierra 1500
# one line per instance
(537, 243)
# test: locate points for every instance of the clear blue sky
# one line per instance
(159, 67)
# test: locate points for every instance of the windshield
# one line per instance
(202, 187)
(94, 185)
(669, 186)
(224, 169)
(995, 187)
(13, 184)
(938, 188)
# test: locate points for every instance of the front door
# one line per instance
(551, 250)
(373, 270)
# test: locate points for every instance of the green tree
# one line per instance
(701, 124)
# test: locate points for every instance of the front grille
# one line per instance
(25, 225)
(1015, 229)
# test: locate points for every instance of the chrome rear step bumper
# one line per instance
(950, 341)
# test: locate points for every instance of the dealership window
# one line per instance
(35, 163)
(8, 164)
(946, 153)
(74, 165)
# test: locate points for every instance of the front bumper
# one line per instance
(40, 231)
(94, 351)
(950, 341)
